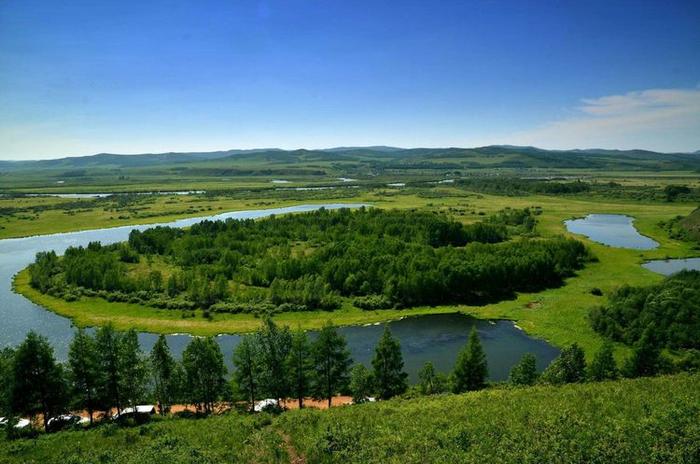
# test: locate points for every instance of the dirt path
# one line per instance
(294, 456)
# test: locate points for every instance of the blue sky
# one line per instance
(82, 77)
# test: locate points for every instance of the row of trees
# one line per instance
(108, 371)
(307, 261)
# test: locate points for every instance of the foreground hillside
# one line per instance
(644, 420)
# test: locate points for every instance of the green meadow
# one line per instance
(650, 420)
(558, 315)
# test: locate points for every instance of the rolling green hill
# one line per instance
(501, 155)
(652, 420)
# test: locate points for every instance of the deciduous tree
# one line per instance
(525, 371)
(38, 381)
(603, 366)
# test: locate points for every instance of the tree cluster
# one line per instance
(309, 261)
(668, 311)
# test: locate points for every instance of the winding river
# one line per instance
(435, 338)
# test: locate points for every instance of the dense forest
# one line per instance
(665, 315)
(377, 258)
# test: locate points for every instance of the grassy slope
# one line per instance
(642, 420)
(557, 315)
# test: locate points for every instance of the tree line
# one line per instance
(378, 258)
(108, 371)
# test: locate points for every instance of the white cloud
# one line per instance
(657, 119)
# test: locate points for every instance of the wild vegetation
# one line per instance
(656, 423)
(668, 313)
(309, 261)
(428, 422)
(684, 227)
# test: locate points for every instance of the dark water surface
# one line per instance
(435, 338)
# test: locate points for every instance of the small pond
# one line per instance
(615, 230)
(671, 266)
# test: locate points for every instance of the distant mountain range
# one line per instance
(520, 156)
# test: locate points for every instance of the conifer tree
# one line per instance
(107, 341)
(163, 370)
(84, 372)
(331, 363)
(133, 368)
(471, 369)
(389, 377)
(299, 366)
(247, 368)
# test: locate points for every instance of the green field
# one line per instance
(556, 315)
(652, 420)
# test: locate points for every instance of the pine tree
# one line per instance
(389, 377)
(84, 371)
(163, 370)
(525, 371)
(247, 364)
(38, 381)
(361, 383)
(107, 343)
(299, 366)
(132, 364)
(331, 362)
(603, 366)
(471, 369)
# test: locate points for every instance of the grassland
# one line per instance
(557, 315)
(652, 420)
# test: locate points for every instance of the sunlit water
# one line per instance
(615, 230)
(671, 266)
(435, 338)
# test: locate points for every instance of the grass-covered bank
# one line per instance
(558, 315)
(96, 311)
(651, 420)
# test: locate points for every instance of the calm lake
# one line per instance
(435, 338)
(616, 230)
(671, 266)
